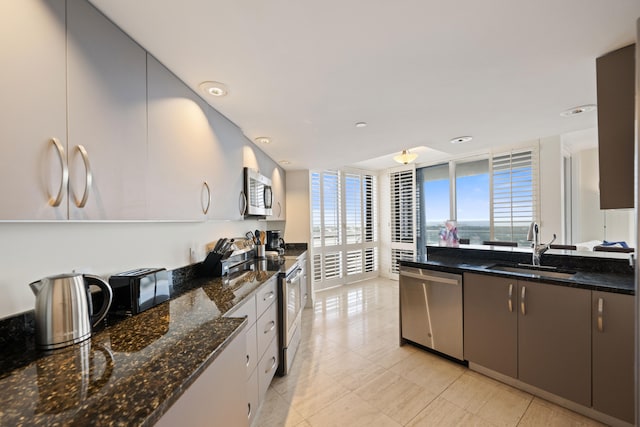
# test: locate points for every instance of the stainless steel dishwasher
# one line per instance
(431, 310)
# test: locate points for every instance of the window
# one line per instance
(344, 226)
(434, 205)
(493, 199)
(473, 201)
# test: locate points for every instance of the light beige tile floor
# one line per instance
(351, 371)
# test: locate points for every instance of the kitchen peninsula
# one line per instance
(562, 330)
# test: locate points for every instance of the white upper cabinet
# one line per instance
(182, 149)
(226, 167)
(279, 194)
(106, 117)
(33, 109)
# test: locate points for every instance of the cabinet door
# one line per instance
(226, 168)
(616, 113)
(613, 354)
(491, 322)
(181, 148)
(554, 339)
(279, 207)
(218, 397)
(107, 116)
(33, 109)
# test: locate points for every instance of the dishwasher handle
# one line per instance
(430, 277)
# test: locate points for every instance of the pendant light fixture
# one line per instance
(405, 157)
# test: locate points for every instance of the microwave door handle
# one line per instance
(268, 197)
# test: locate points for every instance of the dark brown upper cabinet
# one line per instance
(616, 87)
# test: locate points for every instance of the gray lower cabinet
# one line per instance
(217, 398)
(613, 354)
(491, 322)
(33, 109)
(554, 339)
(536, 332)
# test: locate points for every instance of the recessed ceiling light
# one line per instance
(214, 88)
(461, 139)
(578, 110)
(263, 140)
(285, 162)
(361, 124)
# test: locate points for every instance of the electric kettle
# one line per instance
(64, 312)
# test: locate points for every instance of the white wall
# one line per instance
(298, 225)
(31, 251)
(588, 220)
(551, 189)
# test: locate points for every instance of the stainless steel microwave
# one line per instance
(258, 193)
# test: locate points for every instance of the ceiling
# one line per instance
(418, 72)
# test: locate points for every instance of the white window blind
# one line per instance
(353, 208)
(514, 201)
(402, 209)
(397, 255)
(331, 201)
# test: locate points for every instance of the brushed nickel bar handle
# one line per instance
(88, 177)
(273, 325)
(279, 209)
(273, 365)
(248, 357)
(244, 203)
(600, 315)
(205, 209)
(522, 301)
(249, 413)
(55, 201)
(511, 298)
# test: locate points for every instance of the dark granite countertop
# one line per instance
(607, 272)
(131, 370)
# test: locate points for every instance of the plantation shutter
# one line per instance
(514, 203)
(402, 224)
(402, 211)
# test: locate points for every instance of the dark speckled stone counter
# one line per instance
(609, 272)
(132, 369)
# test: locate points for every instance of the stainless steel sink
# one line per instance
(536, 270)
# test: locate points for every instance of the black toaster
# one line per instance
(137, 290)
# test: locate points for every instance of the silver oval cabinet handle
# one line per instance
(273, 365)
(55, 201)
(88, 180)
(279, 209)
(510, 298)
(600, 315)
(205, 209)
(522, 301)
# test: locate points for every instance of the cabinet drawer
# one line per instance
(247, 308)
(267, 367)
(253, 396)
(252, 350)
(267, 328)
(266, 295)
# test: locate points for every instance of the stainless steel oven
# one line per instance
(289, 316)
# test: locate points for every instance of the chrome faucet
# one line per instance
(538, 248)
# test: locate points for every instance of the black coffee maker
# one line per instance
(274, 240)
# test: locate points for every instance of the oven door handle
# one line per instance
(295, 277)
